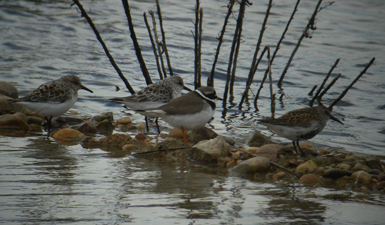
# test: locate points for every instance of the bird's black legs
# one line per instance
(49, 120)
(145, 118)
(295, 148)
(157, 125)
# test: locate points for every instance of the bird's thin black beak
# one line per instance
(85, 88)
(186, 88)
(218, 98)
(335, 119)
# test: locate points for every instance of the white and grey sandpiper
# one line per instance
(300, 124)
(53, 98)
(154, 95)
(190, 111)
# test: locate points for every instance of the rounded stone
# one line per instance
(336, 173)
(361, 177)
(253, 165)
(270, 151)
(140, 136)
(176, 133)
(307, 166)
(251, 150)
(8, 89)
(209, 150)
(310, 180)
(344, 166)
(68, 134)
(9, 121)
(124, 120)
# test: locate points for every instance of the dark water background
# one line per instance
(43, 182)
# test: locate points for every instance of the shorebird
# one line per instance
(154, 95)
(300, 124)
(190, 111)
(53, 98)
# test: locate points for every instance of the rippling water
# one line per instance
(42, 181)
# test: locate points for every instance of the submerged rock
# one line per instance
(271, 151)
(253, 165)
(209, 150)
(310, 180)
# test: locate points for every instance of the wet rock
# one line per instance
(109, 116)
(374, 172)
(9, 121)
(176, 133)
(349, 158)
(361, 177)
(229, 140)
(140, 136)
(208, 150)
(373, 163)
(88, 127)
(223, 161)
(253, 165)
(257, 139)
(201, 134)
(251, 150)
(344, 166)
(307, 166)
(307, 149)
(310, 180)
(358, 166)
(278, 175)
(67, 135)
(35, 120)
(324, 151)
(116, 140)
(380, 185)
(231, 164)
(336, 173)
(381, 177)
(22, 116)
(125, 120)
(105, 127)
(271, 151)
(130, 147)
(8, 89)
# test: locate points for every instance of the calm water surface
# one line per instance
(44, 182)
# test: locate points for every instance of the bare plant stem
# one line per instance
(254, 66)
(351, 85)
(323, 83)
(237, 36)
(136, 43)
(197, 47)
(210, 80)
(158, 43)
(305, 33)
(312, 90)
(153, 47)
(319, 98)
(164, 44)
(97, 34)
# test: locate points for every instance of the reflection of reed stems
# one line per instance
(138, 52)
(323, 84)
(210, 80)
(85, 15)
(164, 44)
(351, 85)
(238, 31)
(305, 33)
(153, 47)
(254, 66)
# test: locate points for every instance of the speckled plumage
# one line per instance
(300, 124)
(154, 95)
(190, 111)
(53, 98)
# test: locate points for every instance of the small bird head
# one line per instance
(327, 112)
(75, 81)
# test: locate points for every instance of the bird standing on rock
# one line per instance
(190, 111)
(53, 98)
(300, 124)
